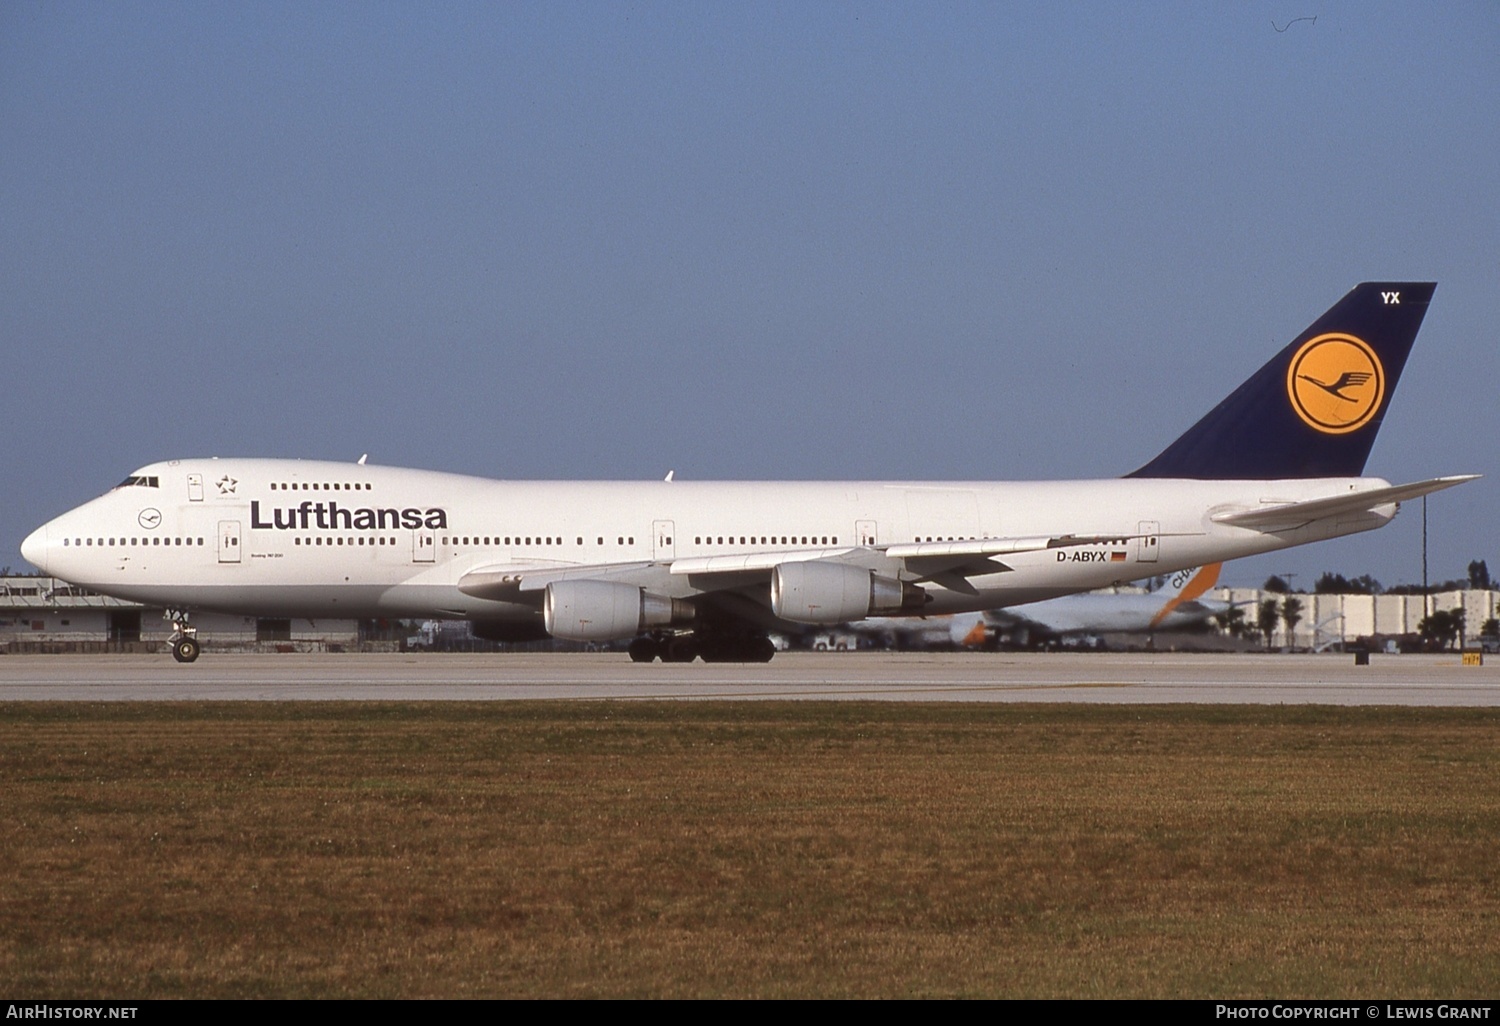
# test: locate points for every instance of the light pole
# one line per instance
(1426, 594)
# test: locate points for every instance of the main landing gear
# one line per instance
(184, 640)
(684, 648)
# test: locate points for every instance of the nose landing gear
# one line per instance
(184, 640)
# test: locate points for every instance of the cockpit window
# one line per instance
(135, 481)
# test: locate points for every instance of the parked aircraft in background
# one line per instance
(1177, 605)
(711, 568)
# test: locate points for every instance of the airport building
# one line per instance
(47, 614)
(42, 614)
(1331, 620)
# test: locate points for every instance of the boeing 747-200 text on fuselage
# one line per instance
(709, 569)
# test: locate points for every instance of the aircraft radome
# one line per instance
(709, 569)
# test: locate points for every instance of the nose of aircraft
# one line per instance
(34, 548)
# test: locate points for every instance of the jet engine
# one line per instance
(817, 592)
(607, 611)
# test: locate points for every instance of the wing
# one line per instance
(1295, 514)
(948, 563)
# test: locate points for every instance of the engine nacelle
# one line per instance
(817, 592)
(606, 611)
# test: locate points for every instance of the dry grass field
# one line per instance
(797, 849)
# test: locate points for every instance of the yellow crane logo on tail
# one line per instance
(1335, 383)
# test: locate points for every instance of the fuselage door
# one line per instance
(864, 530)
(195, 488)
(1150, 541)
(664, 543)
(423, 547)
(229, 541)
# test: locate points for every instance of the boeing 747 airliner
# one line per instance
(709, 569)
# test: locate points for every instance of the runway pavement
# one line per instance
(888, 677)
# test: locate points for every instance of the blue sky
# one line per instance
(975, 241)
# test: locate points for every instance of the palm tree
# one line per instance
(1291, 615)
(1265, 618)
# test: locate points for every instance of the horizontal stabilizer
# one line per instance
(1294, 513)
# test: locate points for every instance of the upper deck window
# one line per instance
(135, 481)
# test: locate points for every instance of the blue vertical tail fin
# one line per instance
(1314, 409)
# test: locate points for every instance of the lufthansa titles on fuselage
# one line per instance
(332, 516)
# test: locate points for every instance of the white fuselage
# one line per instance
(302, 538)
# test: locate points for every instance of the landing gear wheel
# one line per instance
(186, 650)
(643, 650)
